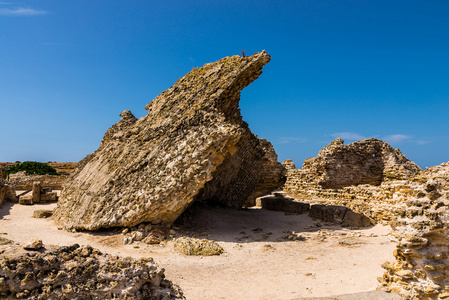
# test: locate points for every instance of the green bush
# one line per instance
(31, 168)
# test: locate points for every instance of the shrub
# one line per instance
(31, 168)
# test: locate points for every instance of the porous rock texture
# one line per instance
(370, 161)
(192, 144)
(415, 207)
(75, 272)
(7, 191)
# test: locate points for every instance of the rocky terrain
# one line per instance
(194, 148)
(74, 272)
(375, 180)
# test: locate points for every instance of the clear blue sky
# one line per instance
(350, 69)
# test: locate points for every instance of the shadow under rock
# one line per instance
(5, 210)
(247, 225)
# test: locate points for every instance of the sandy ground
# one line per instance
(258, 262)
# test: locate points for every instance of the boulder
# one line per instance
(192, 145)
(370, 161)
(34, 244)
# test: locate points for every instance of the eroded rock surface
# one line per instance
(415, 203)
(370, 161)
(7, 191)
(192, 144)
(76, 272)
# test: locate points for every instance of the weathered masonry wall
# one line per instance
(417, 210)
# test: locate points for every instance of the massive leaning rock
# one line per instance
(370, 161)
(192, 144)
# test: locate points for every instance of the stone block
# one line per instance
(353, 219)
(49, 197)
(26, 200)
(36, 192)
(282, 204)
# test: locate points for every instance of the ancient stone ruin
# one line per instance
(37, 194)
(23, 181)
(192, 145)
(370, 161)
(373, 179)
(7, 191)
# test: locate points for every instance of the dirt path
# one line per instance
(258, 263)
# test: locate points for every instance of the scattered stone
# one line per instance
(34, 244)
(75, 272)
(42, 213)
(156, 236)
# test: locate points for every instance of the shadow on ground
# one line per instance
(249, 225)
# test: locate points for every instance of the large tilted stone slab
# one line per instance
(192, 144)
(370, 161)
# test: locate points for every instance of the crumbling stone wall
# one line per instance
(381, 203)
(416, 208)
(7, 191)
(64, 168)
(192, 144)
(274, 174)
(76, 272)
(23, 181)
(370, 161)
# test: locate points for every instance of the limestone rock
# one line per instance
(7, 191)
(289, 164)
(192, 144)
(194, 246)
(34, 244)
(370, 161)
(36, 192)
(76, 272)
(42, 213)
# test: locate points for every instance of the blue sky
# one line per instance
(349, 69)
